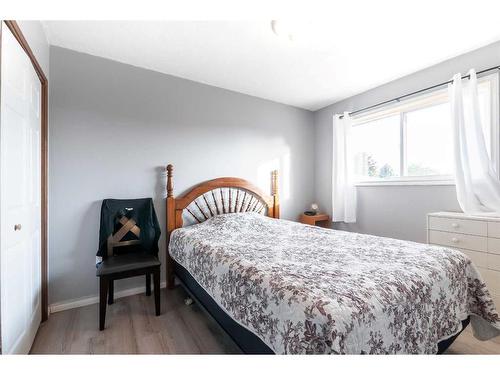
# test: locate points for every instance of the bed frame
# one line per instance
(246, 340)
(248, 198)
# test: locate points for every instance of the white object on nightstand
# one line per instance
(478, 237)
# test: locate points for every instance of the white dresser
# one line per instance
(476, 236)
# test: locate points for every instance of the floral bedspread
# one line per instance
(304, 289)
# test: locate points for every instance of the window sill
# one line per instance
(406, 183)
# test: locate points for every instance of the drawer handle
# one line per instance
(455, 225)
(455, 240)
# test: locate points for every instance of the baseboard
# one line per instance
(90, 300)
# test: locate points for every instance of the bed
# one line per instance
(282, 287)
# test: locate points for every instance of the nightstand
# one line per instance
(321, 220)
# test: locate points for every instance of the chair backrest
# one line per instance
(128, 225)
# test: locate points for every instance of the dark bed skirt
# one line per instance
(248, 342)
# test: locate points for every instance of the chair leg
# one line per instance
(111, 295)
(156, 279)
(103, 290)
(148, 284)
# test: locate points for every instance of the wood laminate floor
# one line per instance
(132, 327)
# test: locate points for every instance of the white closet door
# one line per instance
(20, 240)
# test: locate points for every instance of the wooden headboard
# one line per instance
(214, 197)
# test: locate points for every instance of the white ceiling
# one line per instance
(327, 61)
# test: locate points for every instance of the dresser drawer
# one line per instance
(474, 227)
(493, 262)
(494, 246)
(492, 280)
(478, 258)
(494, 229)
(463, 241)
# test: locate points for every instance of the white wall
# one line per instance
(113, 129)
(35, 35)
(393, 211)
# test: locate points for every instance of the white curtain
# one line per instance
(478, 187)
(343, 189)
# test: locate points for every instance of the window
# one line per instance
(429, 148)
(376, 147)
(412, 142)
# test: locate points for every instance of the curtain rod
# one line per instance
(416, 92)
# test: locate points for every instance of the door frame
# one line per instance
(16, 31)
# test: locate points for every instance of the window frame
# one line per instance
(427, 100)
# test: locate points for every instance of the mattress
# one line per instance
(304, 289)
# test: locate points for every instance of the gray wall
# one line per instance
(110, 120)
(393, 211)
(114, 127)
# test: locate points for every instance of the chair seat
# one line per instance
(126, 262)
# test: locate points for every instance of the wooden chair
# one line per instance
(115, 267)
